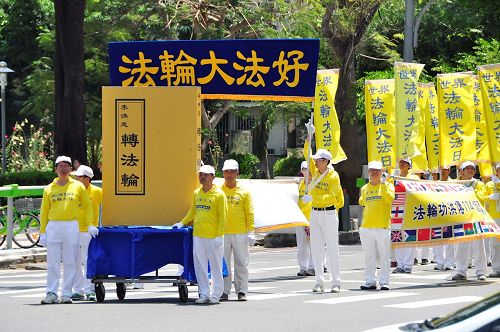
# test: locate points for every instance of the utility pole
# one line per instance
(408, 32)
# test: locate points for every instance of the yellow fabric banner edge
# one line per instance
(270, 228)
(431, 243)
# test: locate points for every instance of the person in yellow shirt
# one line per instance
(444, 254)
(326, 195)
(302, 234)
(405, 257)
(492, 193)
(238, 234)
(208, 212)
(61, 204)
(82, 287)
(468, 170)
(376, 197)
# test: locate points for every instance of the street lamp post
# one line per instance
(3, 83)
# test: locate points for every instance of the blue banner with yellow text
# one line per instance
(261, 69)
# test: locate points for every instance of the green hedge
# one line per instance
(289, 166)
(28, 178)
(248, 163)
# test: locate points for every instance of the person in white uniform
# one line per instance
(444, 254)
(468, 169)
(62, 202)
(376, 197)
(238, 234)
(302, 234)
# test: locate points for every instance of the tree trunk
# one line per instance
(70, 128)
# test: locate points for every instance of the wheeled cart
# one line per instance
(124, 254)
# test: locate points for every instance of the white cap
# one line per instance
(63, 158)
(444, 167)
(84, 171)
(375, 165)
(207, 169)
(303, 165)
(230, 164)
(497, 166)
(408, 160)
(467, 163)
(322, 154)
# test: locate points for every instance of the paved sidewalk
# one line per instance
(10, 257)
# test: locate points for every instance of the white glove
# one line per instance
(384, 177)
(43, 240)
(297, 180)
(495, 179)
(307, 198)
(219, 241)
(251, 239)
(310, 129)
(473, 183)
(177, 225)
(494, 197)
(93, 231)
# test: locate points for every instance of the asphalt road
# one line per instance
(278, 300)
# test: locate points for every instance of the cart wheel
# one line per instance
(183, 293)
(121, 290)
(100, 291)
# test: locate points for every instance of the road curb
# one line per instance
(10, 257)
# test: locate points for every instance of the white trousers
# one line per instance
(304, 257)
(444, 255)
(236, 244)
(205, 251)
(82, 285)
(62, 244)
(463, 252)
(324, 230)
(376, 242)
(405, 257)
(495, 251)
(425, 253)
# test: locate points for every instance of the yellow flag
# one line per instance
(489, 77)
(325, 116)
(407, 110)
(420, 161)
(432, 126)
(380, 121)
(457, 140)
(482, 146)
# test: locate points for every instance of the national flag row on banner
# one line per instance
(444, 232)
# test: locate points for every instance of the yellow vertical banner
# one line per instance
(420, 161)
(457, 140)
(407, 110)
(325, 116)
(482, 145)
(380, 121)
(432, 127)
(489, 81)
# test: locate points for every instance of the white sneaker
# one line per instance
(51, 298)
(66, 300)
(202, 300)
(319, 288)
(335, 289)
(214, 300)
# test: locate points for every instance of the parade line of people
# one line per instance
(223, 228)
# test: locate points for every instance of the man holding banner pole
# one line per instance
(463, 249)
(326, 195)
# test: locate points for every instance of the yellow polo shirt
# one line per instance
(95, 195)
(240, 215)
(491, 188)
(304, 207)
(63, 203)
(377, 200)
(209, 213)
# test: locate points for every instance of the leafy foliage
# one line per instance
(248, 164)
(288, 166)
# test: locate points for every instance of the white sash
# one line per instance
(315, 181)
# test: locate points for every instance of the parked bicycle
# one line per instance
(26, 225)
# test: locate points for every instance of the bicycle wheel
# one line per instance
(20, 232)
(32, 228)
